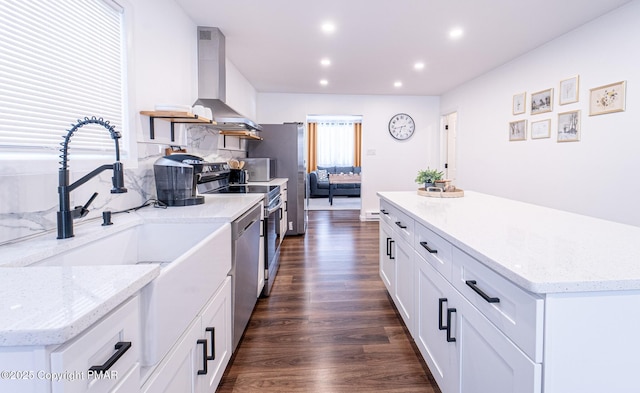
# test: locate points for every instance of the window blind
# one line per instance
(60, 61)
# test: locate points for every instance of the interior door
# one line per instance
(449, 130)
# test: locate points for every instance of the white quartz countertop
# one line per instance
(278, 181)
(542, 250)
(50, 305)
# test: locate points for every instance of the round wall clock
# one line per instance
(401, 126)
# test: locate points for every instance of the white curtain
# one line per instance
(336, 143)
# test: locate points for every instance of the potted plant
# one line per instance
(428, 177)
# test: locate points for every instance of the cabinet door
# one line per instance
(387, 260)
(177, 371)
(261, 254)
(284, 222)
(216, 331)
(112, 344)
(433, 298)
(404, 295)
(488, 360)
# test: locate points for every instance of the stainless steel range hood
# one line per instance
(212, 82)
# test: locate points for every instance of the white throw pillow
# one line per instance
(323, 174)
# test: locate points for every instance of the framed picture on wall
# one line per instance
(607, 99)
(569, 126)
(519, 103)
(518, 130)
(541, 129)
(542, 101)
(569, 90)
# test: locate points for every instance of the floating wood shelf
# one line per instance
(241, 134)
(174, 117)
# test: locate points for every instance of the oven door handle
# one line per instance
(273, 209)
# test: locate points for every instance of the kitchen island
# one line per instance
(524, 298)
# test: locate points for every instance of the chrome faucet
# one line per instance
(65, 214)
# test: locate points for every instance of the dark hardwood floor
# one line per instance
(329, 325)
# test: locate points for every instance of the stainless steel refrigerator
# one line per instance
(285, 143)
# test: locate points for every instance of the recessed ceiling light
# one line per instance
(397, 84)
(325, 62)
(324, 82)
(418, 66)
(328, 27)
(456, 33)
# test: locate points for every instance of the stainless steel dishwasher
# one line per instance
(245, 254)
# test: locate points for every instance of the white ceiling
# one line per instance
(278, 44)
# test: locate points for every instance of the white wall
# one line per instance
(241, 95)
(387, 164)
(596, 176)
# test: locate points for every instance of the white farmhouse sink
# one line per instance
(192, 256)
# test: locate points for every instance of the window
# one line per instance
(60, 61)
(336, 141)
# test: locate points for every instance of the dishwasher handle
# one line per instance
(244, 222)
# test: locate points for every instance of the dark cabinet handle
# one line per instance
(473, 285)
(121, 347)
(432, 251)
(388, 247)
(204, 357)
(399, 223)
(384, 211)
(391, 249)
(441, 301)
(449, 312)
(213, 343)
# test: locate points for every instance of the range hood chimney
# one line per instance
(212, 91)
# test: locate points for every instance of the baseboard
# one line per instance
(371, 215)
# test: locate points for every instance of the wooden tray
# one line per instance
(431, 192)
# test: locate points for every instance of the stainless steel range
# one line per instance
(213, 178)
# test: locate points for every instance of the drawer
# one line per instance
(387, 212)
(517, 313)
(401, 223)
(434, 249)
(95, 347)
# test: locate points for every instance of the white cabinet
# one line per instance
(433, 298)
(261, 254)
(216, 331)
(404, 293)
(476, 331)
(106, 353)
(198, 360)
(104, 358)
(397, 268)
(387, 260)
(464, 351)
(284, 215)
(488, 361)
(518, 314)
(176, 371)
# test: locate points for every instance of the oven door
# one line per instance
(273, 215)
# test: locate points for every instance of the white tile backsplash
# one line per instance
(30, 202)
